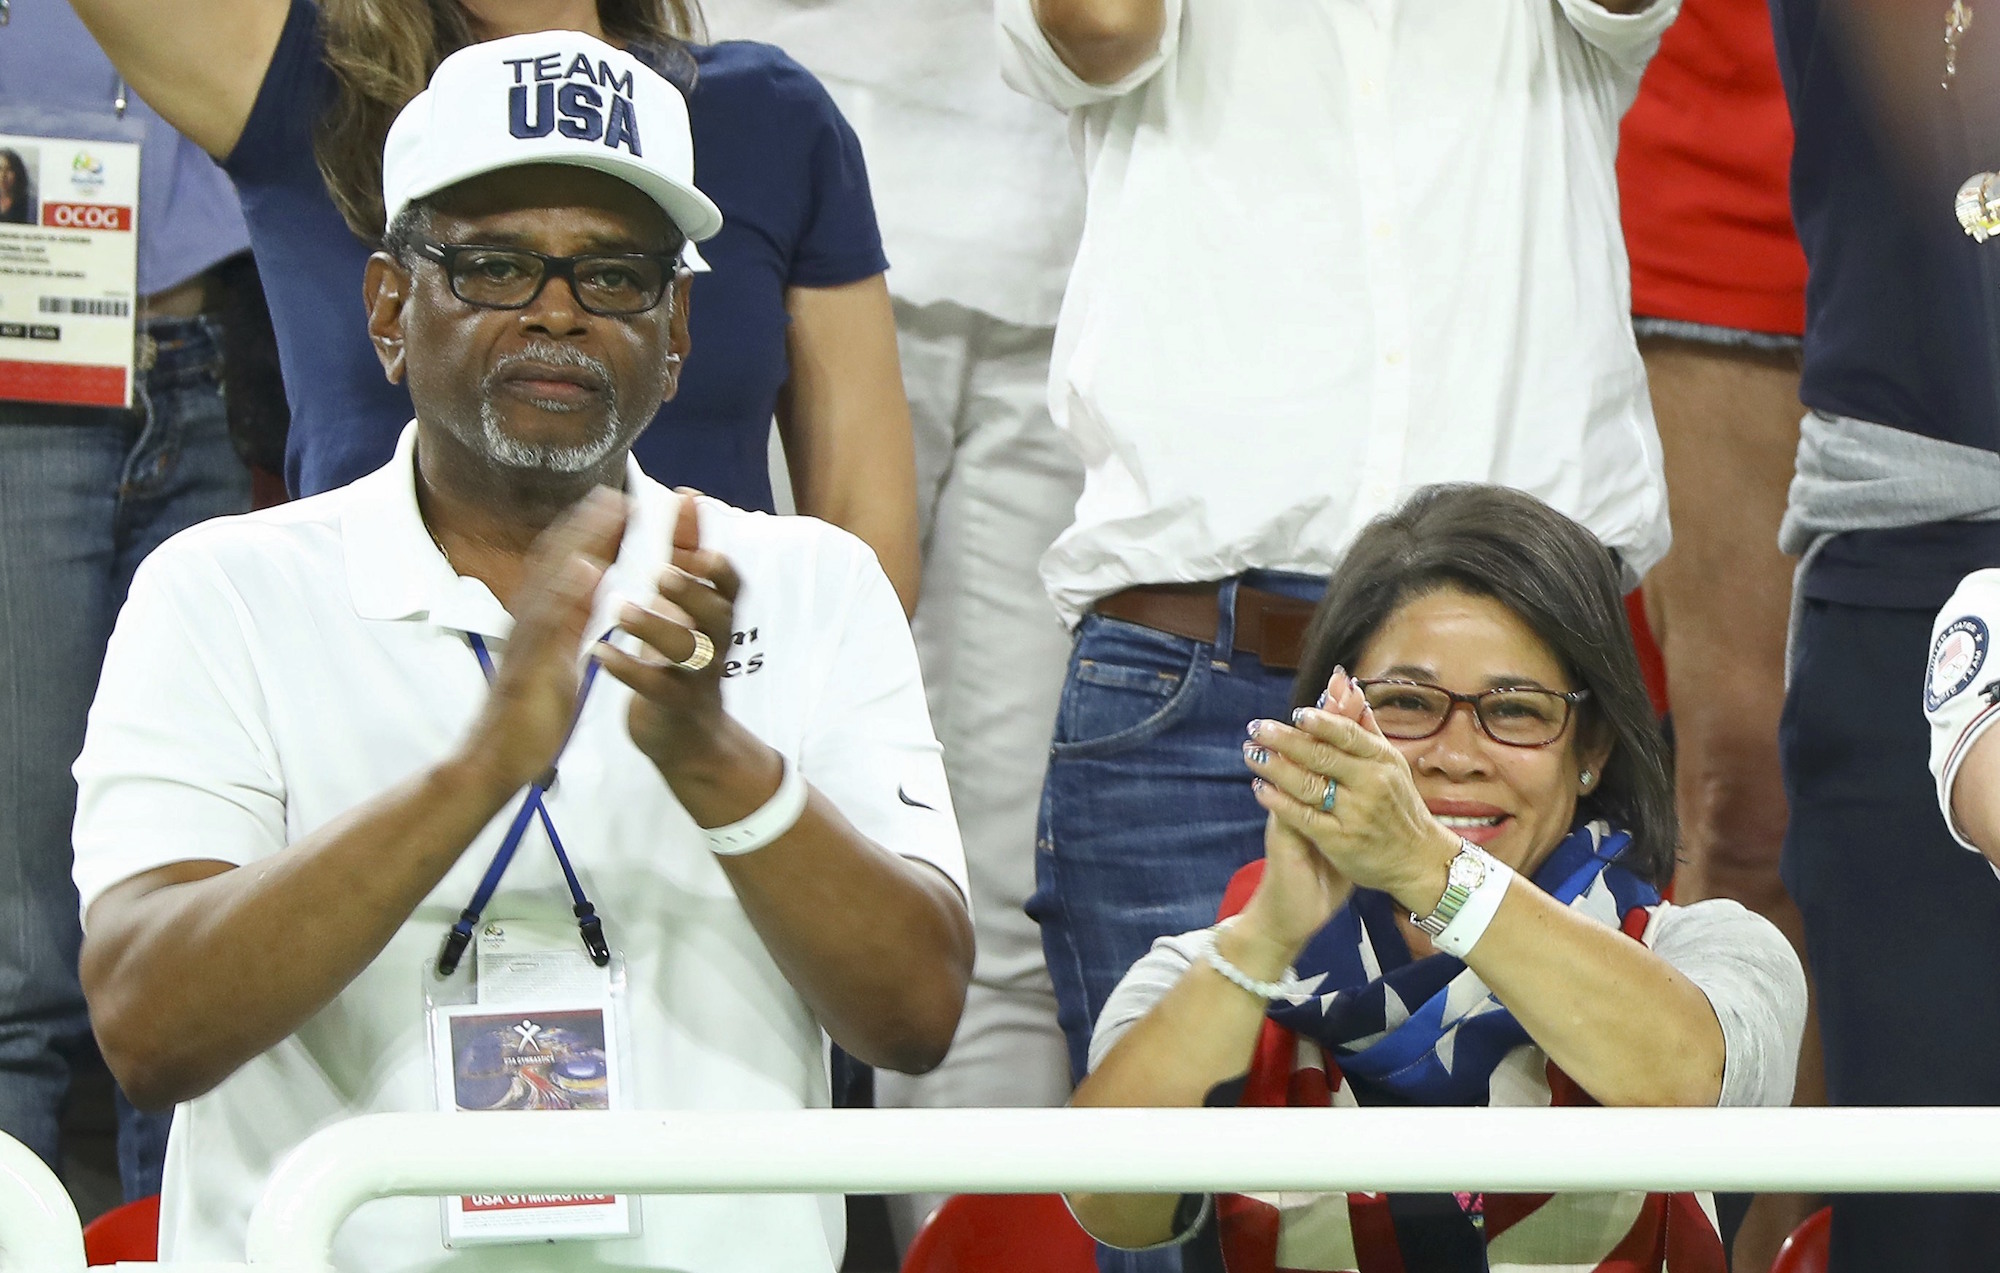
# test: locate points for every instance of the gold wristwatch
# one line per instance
(1467, 872)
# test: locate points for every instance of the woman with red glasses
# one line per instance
(1470, 820)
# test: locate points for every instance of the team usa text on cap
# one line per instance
(579, 102)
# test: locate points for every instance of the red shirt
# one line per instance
(1703, 163)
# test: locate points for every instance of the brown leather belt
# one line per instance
(1269, 625)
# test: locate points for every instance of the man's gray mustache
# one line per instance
(550, 355)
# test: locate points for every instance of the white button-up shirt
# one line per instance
(273, 671)
(1335, 250)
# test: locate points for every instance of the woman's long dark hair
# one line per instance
(1500, 543)
(382, 53)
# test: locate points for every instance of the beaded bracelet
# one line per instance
(1284, 989)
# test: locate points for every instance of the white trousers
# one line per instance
(996, 483)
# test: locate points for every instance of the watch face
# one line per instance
(1467, 870)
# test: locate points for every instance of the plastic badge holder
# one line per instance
(528, 1024)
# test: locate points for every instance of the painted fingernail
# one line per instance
(1299, 715)
(1258, 784)
(1256, 755)
(1252, 728)
(1322, 699)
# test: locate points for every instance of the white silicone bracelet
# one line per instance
(775, 817)
(1481, 905)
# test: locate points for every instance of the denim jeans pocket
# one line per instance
(1127, 685)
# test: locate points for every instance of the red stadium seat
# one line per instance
(130, 1232)
(1001, 1233)
(1805, 1250)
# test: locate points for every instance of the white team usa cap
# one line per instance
(551, 97)
(1962, 680)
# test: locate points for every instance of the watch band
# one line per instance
(1468, 869)
(1470, 924)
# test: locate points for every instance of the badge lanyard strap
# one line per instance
(532, 807)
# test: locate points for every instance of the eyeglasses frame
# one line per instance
(1570, 699)
(562, 267)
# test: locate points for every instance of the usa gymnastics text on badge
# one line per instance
(1956, 658)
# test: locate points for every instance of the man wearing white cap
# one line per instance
(438, 711)
(1962, 700)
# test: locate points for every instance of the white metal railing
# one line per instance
(38, 1224)
(1023, 1151)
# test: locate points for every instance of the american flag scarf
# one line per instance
(1379, 1027)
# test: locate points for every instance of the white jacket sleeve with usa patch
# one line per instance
(1962, 682)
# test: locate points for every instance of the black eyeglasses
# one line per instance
(1516, 716)
(614, 284)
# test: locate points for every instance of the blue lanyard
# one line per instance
(532, 807)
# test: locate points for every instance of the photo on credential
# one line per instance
(541, 1061)
(18, 168)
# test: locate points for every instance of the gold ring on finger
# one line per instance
(702, 655)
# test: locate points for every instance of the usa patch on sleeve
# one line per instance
(1956, 657)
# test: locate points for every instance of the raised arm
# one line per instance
(1103, 41)
(1619, 1019)
(878, 945)
(846, 424)
(192, 969)
(1201, 1031)
(199, 63)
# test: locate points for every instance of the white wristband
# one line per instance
(1481, 905)
(776, 816)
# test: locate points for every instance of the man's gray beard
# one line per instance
(512, 452)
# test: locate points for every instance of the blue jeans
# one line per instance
(85, 494)
(1146, 810)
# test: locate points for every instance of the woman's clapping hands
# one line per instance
(1332, 783)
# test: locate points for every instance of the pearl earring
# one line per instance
(1587, 776)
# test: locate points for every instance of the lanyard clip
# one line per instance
(455, 943)
(593, 934)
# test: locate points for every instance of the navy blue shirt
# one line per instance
(1902, 309)
(771, 150)
(55, 81)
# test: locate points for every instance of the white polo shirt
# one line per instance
(1962, 681)
(271, 672)
(1335, 250)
